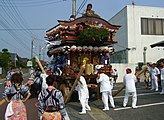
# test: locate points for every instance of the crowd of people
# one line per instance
(154, 76)
(50, 99)
(51, 104)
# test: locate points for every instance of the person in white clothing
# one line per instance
(162, 77)
(154, 77)
(105, 89)
(130, 88)
(83, 94)
(44, 84)
(149, 70)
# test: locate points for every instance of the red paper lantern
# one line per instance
(79, 48)
(73, 48)
(85, 48)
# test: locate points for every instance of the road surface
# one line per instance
(150, 107)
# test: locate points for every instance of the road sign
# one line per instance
(29, 63)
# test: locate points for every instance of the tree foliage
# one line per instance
(5, 50)
(93, 36)
(4, 58)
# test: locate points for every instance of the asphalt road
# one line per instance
(150, 107)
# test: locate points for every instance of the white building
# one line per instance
(141, 27)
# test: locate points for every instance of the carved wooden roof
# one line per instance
(67, 31)
(90, 20)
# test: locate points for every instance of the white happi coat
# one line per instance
(44, 84)
(154, 72)
(82, 89)
(129, 80)
(162, 74)
(162, 80)
(105, 84)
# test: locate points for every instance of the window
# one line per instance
(152, 26)
(163, 27)
(144, 26)
(158, 27)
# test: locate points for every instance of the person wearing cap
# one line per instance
(154, 77)
(83, 94)
(130, 88)
(105, 89)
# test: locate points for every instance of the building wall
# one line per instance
(121, 37)
(121, 69)
(129, 36)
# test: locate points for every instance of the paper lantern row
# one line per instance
(84, 49)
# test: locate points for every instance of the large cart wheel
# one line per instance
(65, 90)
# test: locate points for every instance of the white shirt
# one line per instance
(154, 71)
(44, 84)
(82, 88)
(129, 80)
(162, 73)
(105, 84)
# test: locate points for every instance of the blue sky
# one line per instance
(22, 19)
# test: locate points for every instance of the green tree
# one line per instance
(21, 64)
(93, 36)
(5, 50)
(4, 59)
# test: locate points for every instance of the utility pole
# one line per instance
(74, 7)
(15, 60)
(32, 46)
(40, 52)
(43, 53)
(144, 55)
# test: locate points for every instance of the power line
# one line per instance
(13, 34)
(8, 43)
(11, 16)
(5, 24)
(16, 48)
(14, 12)
(12, 29)
(33, 4)
(81, 6)
(24, 23)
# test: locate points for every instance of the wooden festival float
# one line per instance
(88, 38)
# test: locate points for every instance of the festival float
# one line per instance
(84, 40)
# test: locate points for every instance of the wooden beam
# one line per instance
(74, 85)
(2, 101)
(40, 65)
